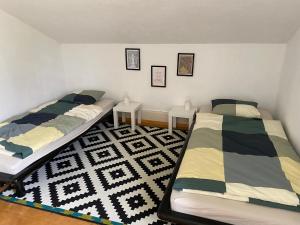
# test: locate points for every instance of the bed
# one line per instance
(194, 208)
(14, 169)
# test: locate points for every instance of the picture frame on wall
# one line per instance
(133, 60)
(185, 64)
(158, 76)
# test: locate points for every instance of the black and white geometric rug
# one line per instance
(109, 173)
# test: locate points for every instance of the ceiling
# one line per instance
(160, 21)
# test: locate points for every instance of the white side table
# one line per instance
(132, 108)
(179, 111)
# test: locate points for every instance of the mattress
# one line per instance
(13, 165)
(230, 211)
(265, 114)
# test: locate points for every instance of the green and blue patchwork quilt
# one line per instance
(243, 159)
(22, 135)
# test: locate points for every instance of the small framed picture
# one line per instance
(185, 64)
(132, 57)
(158, 76)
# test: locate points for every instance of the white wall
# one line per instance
(289, 92)
(245, 71)
(31, 69)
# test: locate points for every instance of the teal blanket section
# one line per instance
(243, 125)
(20, 151)
(59, 107)
(199, 184)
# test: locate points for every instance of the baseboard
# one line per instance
(153, 123)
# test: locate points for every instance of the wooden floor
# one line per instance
(151, 123)
(14, 214)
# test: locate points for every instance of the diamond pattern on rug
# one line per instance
(94, 208)
(70, 148)
(115, 174)
(32, 179)
(94, 128)
(165, 138)
(93, 139)
(63, 165)
(162, 182)
(176, 149)
(34, 193)
(100, 155)
(124, 132)
(155, 162)
(135, 203)
(138, 145)
(71, 189)
(150, 129)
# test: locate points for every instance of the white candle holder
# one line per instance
(126, 100)
(187, 105)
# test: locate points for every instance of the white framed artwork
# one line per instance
(132, 57)
(158, 76)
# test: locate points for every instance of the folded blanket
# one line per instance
(242, 159)
(22, 135)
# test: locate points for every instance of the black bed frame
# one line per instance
(166, 213)
(16, 180)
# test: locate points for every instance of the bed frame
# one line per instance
(16, 180)
(166, 213)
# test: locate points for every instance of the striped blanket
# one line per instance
(242, 159)
(22, 135)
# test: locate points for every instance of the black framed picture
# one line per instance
(185, 64)
(133, 60)
(158, 76)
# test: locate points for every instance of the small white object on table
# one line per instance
(130, 107)
(180, 111)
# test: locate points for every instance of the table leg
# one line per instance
(116, 119)
(133, 121)
(174, 122)
(190, 122)
(170, 124)
(139, 116)
(123, 117)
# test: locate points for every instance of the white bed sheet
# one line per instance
(265, 114)
(13, 165)
(230, 211)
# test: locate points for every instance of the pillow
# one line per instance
(216, 102)
(86, 97)
(235, 108)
